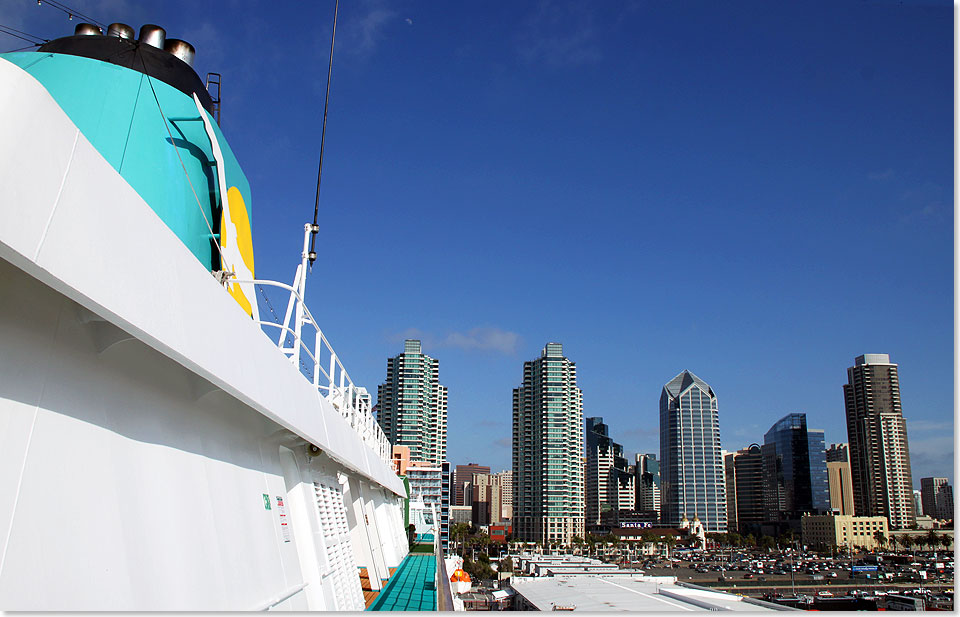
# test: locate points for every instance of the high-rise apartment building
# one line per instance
(412, 405)
(462, 475)
(795, 469)
(548, 489)
(841, 487)
(489, 492)
(918, 503)
(691, 470)
(647, 470)
(936, 495)
(838, 452)
(877, 434)
(505, 480)
(609, 485)
(744, 480)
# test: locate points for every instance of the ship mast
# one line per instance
(312, 256)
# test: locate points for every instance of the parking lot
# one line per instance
(756, 574)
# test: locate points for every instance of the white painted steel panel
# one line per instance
(115, 257)
(137, 490)
(33, 131)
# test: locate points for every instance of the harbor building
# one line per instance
(794, 469)
(843, 530)
(877, 434)
(412, 405)
(548, 491)
(691, 468)
(936, 496)
(744, 480)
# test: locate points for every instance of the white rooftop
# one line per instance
(602, 593)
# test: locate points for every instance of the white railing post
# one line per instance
(333, 364)
(293, 298)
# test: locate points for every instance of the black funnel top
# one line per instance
(133, 55)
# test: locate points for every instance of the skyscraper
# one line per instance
(462, 474)
(505, 480)
(647, 471)
(603, 482)
(877, 433)
(744, 475)
(841, 487)
(795, 469)
(838, 452)
(412, 405)
(691, 470)
(936, 495)
(548, 466)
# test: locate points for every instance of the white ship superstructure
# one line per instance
(157, 450)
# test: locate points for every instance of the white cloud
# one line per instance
(916, 426)
(559, 34)
(483, 338)
(362, 34)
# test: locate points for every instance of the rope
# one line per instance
(223, 259)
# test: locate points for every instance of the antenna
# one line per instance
(323, 133)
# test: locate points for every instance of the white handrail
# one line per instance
(350, 400)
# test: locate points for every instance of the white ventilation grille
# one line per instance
(339, 569)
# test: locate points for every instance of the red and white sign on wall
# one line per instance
(284, 523)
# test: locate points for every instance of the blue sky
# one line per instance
(757, 192)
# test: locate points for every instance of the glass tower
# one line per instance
(795, 469)
(692, 482)
(548, 450)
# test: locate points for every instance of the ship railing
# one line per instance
(318, 361)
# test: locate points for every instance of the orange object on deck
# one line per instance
(459, 576)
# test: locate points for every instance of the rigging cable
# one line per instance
(11, 31)
(70, 12)
(323, 134)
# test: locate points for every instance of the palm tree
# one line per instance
(932, 540)
(459, 532)
(894, 542)
(577, 544)
(880, 538)
(946, 540)
(670, 541)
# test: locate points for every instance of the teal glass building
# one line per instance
(548, 468)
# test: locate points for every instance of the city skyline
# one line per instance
(694, 176)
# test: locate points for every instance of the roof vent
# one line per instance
(180, 49)
(120, 31)
(152, 35)
(86, 29)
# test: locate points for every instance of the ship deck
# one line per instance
(411, 588)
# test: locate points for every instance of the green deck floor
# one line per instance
(411, 588)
